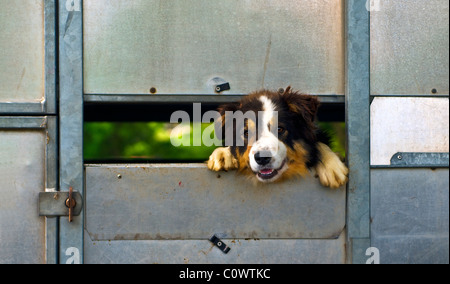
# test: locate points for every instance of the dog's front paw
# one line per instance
(222, 160)
(331, 171)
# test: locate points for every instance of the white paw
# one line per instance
(222, 160)
(331, 171)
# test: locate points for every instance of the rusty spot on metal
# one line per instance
(71, 203)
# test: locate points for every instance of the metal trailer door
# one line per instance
(114, 52)
(410, 131)
(28, 128)
(27, 168)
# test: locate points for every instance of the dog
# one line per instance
(280, 142)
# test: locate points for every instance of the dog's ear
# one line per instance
(220, 122)
(304, 105)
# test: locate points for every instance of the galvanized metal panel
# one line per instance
(243, 251)
(420, 160)
(47, 127)
(357, 118)
(178, 47)
(22, 176)
(22, 51)
(71, 123)
(408, 125)
(184, 99)
(410, 47)
(410, 215)
(50, 56)
(187, 201)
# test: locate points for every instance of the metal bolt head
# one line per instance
(71, 203)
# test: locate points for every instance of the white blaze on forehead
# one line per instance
(268, 142)
(267, 120)
(269, 112)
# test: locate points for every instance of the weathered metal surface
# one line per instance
(22, 177)
(357, 118)
(45, 128)
(180, 201)
(243, 251)
(132, 46)
(53, 204)
(422, 160)
(408, 125)
(410, 215)
(71, 123)
(186, 99)
(28, 57)
(22, 51)
(410, 47)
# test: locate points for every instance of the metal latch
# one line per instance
(219, 85)
(60, 203)
(220, 244)
(223, 87)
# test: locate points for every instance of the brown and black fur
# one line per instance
(305, 143)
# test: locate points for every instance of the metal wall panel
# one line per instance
(409, 47)
(22, 176)
(410, 215)
(153, 202)
(242, 251)
(22, 51)
(408, 125)
(177, 47)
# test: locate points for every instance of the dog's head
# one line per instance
(272, 134)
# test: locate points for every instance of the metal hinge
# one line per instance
(60, 203)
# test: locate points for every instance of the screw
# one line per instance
(119, 176)
(399, 157)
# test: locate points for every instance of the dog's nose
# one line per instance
(263, 158)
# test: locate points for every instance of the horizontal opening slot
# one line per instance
(132, 133)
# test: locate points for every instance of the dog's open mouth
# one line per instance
(269, 173)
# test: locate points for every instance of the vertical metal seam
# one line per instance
(49, 103)
(70, 30)
(358, 122)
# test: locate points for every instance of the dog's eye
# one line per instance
(281, 130)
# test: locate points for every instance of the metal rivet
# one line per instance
(153, 90)
(219, 244)
(434, 91)
(119, 176)
(399, 157)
